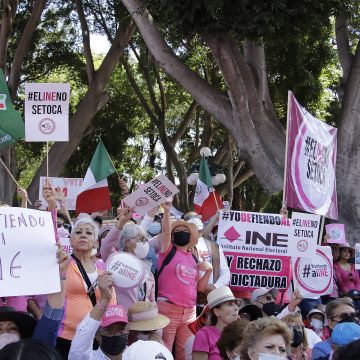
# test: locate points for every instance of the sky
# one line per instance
(99, 44)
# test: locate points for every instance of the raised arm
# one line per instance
(108, 244)
(61, 199)
(165, 238)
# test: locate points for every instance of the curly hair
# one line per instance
(261, 328)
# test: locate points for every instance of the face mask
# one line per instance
(269, 308)
(263, 356)
(317, 324)
(113, 345)
(298, 338)
(141, 249)
(154, 228)
(181, 238)
(7, 338)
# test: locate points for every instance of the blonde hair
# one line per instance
(261, 328)
(297, 319)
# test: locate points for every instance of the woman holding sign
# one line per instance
(178, 280)
(81, 293)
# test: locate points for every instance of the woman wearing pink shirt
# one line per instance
(178, 280)
(223, 311)
(346, 274)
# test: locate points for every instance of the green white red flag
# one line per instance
(11, 123)
(206, 200)
(94, 194)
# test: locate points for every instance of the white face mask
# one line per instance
(7, 338)
(317, 324)
(263, 356)
(141, 249)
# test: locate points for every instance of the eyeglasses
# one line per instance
(64, 225)
(142, 239)
(188, 217)
(343, 316)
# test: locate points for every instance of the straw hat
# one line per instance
(144, 316)
(219, 296)
(192, 228)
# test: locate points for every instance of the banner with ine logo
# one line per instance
(268, 234)
(310, 182)
(47, 112)
(313, 276)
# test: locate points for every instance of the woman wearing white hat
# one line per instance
(223, 311)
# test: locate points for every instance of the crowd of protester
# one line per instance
(182, 309)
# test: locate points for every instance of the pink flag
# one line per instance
(310, 178)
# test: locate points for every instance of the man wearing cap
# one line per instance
(107, 323)
(209, 251)
(343, 334)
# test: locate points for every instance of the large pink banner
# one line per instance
(310, 180)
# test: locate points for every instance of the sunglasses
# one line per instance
(142, 239)
(64, 225)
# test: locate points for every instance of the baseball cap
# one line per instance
(345, 333)
(262, 291)
(114, 314)
(150, 350)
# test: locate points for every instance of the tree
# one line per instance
(246, 108)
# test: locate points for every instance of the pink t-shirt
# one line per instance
(178, 280)
(348, 280)
(205, 341)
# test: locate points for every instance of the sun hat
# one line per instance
(24, 321)
(114, 314)
(220, 295)
(262, 291)
(315, 311)
(195, 220)
(345, 333)
(149, 350)
(346, 245)
(144, 316)
(192, 228)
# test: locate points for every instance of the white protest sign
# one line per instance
(313, 277)
(127, 270)
(47, 112)
(259, 233)
(28, 264)
(357, 256)
(151, 194)
(305, 232)
(70, 187)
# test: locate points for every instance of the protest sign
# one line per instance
(313, 277)
(336, 233)
(151, 194)
(310, 182)
(70, 187)
(263, 234)
(305, 231)
(357, 256)
(251, 271)
(28, 263)
(127, 270)
(47, 112)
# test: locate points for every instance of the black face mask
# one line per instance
(113, 345)
(181, 238)
(298, 338)
(269, 308)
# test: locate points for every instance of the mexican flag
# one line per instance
(94, 192)
(11, 123)
(206, 200)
